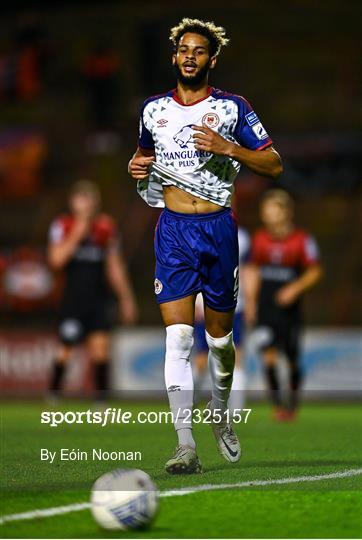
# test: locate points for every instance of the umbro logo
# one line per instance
(162, 122)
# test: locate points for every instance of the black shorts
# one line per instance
(76, 324)
(281, 330)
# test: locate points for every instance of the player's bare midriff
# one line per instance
(180, 201)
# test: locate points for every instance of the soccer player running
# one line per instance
(284, 265)
(193, 141)
(84, 243)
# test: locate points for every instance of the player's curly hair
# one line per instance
(215, 34)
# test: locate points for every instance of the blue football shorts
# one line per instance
(197, 253)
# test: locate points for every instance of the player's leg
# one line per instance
(270, 335)
(98, 349)
(237, 395)
(295, 373)
(97, 330)
(220, 268)
(178, 318)
(270, 358)
(177, 281)
(220, 271)
(70, 333)
(62, 357)
(219, 337)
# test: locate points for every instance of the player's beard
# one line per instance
(194, 80)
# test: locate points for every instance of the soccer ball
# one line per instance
(124, 499)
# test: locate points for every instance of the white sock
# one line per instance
(185, 437)
(178, 378)
(221, 365)
(237, 394)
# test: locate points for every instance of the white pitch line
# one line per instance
(253, 483)
(46, 512)
(58, 510)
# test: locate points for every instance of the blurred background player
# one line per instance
(284, 265)
(236, 400)
(84, 244)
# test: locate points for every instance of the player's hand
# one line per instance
(210, 141)
(81, 227)
(139, 166)
(128, 311)
(286, 295)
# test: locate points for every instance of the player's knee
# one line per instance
(270, 357)
(98, 348)
(179, 341)
(292, 356)
(64, 354)
(219, 328)
(222, 348)
(99, 359)
(100, 355)
(294, 365)
(220, 343)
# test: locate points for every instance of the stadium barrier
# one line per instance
(25, 361)
(331, 358)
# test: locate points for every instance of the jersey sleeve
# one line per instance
(310, 251)
(249, 131)
(145, 139)
(107, 232)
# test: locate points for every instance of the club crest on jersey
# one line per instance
(158, 286)
(210, 120)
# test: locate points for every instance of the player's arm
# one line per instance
(250, 282)
(139, 164)
(309, 278)
(61, 250)
(118, 279)
(266, 162)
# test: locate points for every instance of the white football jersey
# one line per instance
(166, 127)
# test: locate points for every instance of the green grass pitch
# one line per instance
(326, 438)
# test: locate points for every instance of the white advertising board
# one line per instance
(331, 360)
